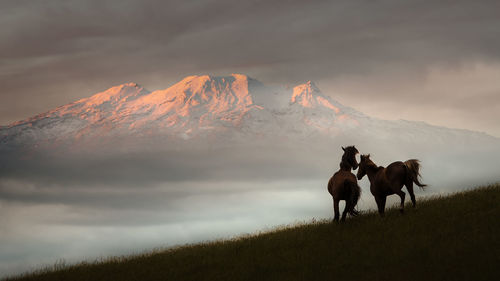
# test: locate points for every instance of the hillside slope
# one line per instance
(448, 238)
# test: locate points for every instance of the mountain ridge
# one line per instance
(195, 103)
(204, 105)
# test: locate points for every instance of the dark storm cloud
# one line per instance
(58, 51)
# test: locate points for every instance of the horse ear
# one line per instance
(343, 148)
(368, 156)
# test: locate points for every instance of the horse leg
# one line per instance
(383, 204)
(380, 204)
(336, 210)
(409, 187)
(402, 205)
(347, 206)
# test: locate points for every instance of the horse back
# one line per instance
(336, 184)
(396, 172)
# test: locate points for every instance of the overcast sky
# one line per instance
(417, 60)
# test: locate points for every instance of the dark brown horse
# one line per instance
(390, 180)
(344, 186)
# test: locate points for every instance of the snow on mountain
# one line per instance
(308, 95)
(200, 106)
(192, 106)
(73, 120)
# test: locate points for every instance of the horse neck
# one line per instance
(371, 171)
(344, 166)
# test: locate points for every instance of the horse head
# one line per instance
(364, 160)
(349, 156)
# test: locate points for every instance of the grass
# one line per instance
(445, 238)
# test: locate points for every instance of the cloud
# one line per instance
(125, 177)
(146, 166)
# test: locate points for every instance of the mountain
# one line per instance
(194, 106)
(229, 107)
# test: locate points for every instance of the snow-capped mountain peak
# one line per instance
(219, 92)
(117, 94)
(308, 95)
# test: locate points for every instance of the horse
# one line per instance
(390, 180)
(344, 186)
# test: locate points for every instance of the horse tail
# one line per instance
(355, 193)
(413, 172)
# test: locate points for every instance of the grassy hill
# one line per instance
(447, 238)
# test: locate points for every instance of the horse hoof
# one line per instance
(402, 211)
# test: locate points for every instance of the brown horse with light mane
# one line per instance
(344, 186)
(390, 180)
